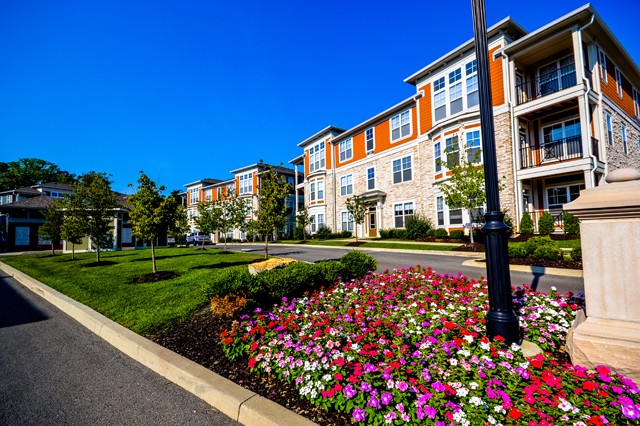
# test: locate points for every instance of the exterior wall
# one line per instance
(496, 71)
(610, 90)
(425, 106)
(616, 158)
(504, 160)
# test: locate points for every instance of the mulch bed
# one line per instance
(197, 339)
(527, 261)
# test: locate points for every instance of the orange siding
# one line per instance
(306, 162)
(255, 183)
(497, 78)
(610, 90)
(424, 104)
(383, 136)
(327, 153)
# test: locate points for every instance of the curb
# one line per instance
(536, 270)
(236, 402)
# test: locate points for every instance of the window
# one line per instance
(193, 195)
(562, 139)
(246, 183)
(369, 140)
(455, 217)
(439, 99)
(473, 147)
(312, 224)
(471, 73)
(346, 185)
(624, 139)
(437, 154)
(455, 91)
(440, 210)
(452, 151)
(208, 195)
(558, 196)
(400, 125)
(619, 82)
(346, 149)
(371, 178)
(321, 190)
(401, 212)
(219, 191)
(556, 76)
(636, 105)
(609, 131)
(316, 157)
(347, 221)
(603, 67)
(402, 169)
(320, 220)
(312, 192)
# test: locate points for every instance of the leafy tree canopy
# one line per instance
(31, 171)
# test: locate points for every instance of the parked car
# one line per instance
(171, 241)
(196, 238)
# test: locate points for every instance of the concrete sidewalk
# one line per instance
(236, 402)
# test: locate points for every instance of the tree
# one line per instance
(358, 209)
(74, 227)
(52, 228)
(272, 208)
(178, 222)
(303, 220)
(94, 203)
(465, 188)
(31, 171)
(232, 213)
(151, 213)
(208, 219)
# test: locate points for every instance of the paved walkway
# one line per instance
(53, 371)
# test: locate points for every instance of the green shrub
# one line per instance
(516, 250)
(227, 281)
(548, 252)
(441, 233)
(509, 222)
(526, 225)
(400, 233)
(533, 243)
(417, 226)
(290, 281)
(331, 271)
(545, 224)
(357, 264)
(457, 234)
(571, 224)
(323, 233)
(431, 232)
(576, 254)
(478, 235)
(345, 234)
(384, 233)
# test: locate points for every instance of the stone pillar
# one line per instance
(609, 334)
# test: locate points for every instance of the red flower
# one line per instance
(252, 363)
(254, 346)
(589, 385)
(338, 376)
(515, 414)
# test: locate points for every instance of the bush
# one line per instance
(526, 225)
(400, 233)
(384, 233)
(441, 233)
(509, 222)
(576, 254)
(227, 281)
(547, 252)
(431, 232)
(357, 264)
(571, 224)
(478, 235)
(323, 233)
(516, 251)
(545, 224)
(457, 234)
(346, 234)
(533, 243)
(417, 226)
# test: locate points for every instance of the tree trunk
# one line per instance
(53, 250)
(266, 246)
(98, 253)
(470, 227)
(153, 256)
(73, 251)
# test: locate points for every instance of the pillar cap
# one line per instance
(620, 198)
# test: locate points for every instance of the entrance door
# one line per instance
(373, 227)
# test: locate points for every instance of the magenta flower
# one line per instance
(386, 398)
(359, 415)
(349, 391)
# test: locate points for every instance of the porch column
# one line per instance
(519, 204)
(610, 238)
(577, 55)
(585, 130)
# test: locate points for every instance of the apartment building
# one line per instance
(557, 93)
(245, 184)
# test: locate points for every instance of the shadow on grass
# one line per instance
(101, 263)
(154, 277)
(147, 259)
(225, 264)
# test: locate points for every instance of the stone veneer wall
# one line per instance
(615, 156)
(504, 160)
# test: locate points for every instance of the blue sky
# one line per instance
(186, 90)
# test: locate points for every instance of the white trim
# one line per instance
(408, 111)
(352, 184)
(374, 177)
(402, 169)
(373, 139)
(348, 149)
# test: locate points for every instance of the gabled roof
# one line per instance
(328, 129)
(264, 166)
(205, 181)
(39, 202)
(54, 185)
(507, 25)
(26, 190)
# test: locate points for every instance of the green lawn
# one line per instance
(109, 289)
(374, 244)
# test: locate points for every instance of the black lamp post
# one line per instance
(501, 320)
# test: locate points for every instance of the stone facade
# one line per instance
(504, 160)
(615, 156)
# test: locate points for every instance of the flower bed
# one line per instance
(409, 346)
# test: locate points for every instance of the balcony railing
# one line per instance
(546, 84)
(558, 218)
(558, 150)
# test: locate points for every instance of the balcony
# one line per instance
(557, 150)
(546, 84)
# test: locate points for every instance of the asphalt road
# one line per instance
(398, 259)
(53, 371)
